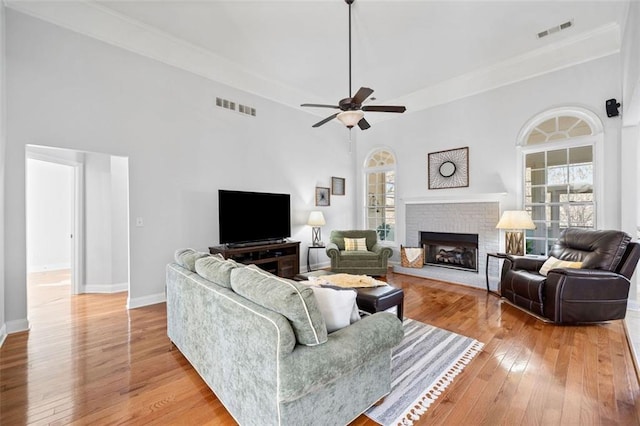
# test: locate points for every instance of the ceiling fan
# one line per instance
(352, 110)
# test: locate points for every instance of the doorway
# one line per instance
(77, 222)
(50, 230)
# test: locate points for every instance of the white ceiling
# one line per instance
(419, 53)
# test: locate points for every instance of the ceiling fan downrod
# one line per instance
(351, 108)
(349, 2)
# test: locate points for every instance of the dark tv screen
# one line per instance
(253, 216)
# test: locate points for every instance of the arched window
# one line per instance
(558, 174)
(380, 209)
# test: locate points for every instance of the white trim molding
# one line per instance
(17, 326)
(106, 288)
(152, 299)
(3, 331)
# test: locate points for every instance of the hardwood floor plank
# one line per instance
(89, 360)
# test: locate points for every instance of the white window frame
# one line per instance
(595, 140)
(365, 202)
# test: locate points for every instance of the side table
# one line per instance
(486, 268)
(309, 252)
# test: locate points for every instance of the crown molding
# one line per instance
(600, 42)
(93, 20)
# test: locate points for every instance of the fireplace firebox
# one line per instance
(450, 250)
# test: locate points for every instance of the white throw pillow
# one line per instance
(552, 263)
(338, 307)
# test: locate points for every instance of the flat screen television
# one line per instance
(253, 217)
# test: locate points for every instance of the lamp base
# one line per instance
(514, 242)
(316, 239)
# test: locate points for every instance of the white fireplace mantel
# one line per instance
(462, 198)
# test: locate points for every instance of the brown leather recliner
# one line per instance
(598, 291)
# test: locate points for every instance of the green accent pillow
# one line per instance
(293, 300)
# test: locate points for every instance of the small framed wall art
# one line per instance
(337, 185)
(448, 169)
(322, 196)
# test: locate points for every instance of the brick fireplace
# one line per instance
(475, 218)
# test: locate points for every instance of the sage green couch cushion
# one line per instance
(293, 300)
(216, 269)
(187, 258)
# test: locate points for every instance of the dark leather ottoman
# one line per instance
(377, 299)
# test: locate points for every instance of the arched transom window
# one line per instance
(558, 178)
(380, 205)
(558, 128)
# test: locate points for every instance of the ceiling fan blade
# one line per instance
(320, 106)
(329, 118)
(362, 94)
(363, 124)
(384, 108)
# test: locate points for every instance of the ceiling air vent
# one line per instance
(227, 104)
(555, 29)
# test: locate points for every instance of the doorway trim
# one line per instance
(77, 236)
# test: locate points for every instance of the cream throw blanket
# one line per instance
(412, 253)
(347, 280)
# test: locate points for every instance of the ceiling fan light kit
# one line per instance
(351, 107)
(350, 118)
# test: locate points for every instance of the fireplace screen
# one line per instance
(451, 250)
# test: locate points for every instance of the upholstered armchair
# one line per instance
(594, 287)
(369, 260)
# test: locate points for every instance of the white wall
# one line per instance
(67, 90)
(3, 328)
(488, 124)
(120, 221)
(49, 215)
(631, 67)
(106, 223)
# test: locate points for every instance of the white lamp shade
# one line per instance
(316, 219)
(350, 118)
(515, 219)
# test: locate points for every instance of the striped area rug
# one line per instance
(422, 366)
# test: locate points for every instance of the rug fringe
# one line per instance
(445, 380)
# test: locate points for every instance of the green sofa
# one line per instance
(371, 262)
(268, 363)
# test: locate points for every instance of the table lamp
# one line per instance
(514, 221)
(316, 220)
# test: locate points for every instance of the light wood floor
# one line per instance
(87, 360)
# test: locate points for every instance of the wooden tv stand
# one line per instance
(282, 259)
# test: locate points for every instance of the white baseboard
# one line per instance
(3, 334)
(152, 299)
(52, 267)
(106, 288)
(16, 326)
